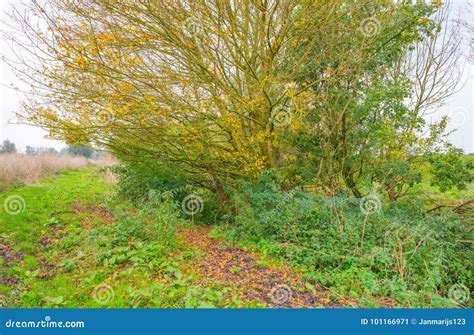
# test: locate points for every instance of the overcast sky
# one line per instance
(460, 107)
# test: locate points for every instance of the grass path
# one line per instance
(36, 225)
(26, 211)
(63, 244)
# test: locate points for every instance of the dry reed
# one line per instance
(22, 169)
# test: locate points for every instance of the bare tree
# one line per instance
(434, 63)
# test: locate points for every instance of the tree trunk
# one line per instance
(223, 198)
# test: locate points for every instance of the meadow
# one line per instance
(68, 245)
(74, 239)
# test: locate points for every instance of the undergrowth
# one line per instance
(394, 251)
(76, 246)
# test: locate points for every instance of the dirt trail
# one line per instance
(233, 266)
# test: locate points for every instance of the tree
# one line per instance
(8, 147)
(30, 151)
(51, 151)
(225, 89)
(80, 150)
(371, 132)
(450, 171)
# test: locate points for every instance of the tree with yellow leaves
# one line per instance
(224, 89)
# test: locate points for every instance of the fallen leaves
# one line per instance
(242, 269)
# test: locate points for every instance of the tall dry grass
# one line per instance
(105, 161)
(106, 164)
(22, 169)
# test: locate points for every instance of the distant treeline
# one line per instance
(8, 147)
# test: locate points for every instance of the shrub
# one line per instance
(136, 181)
(390, 252)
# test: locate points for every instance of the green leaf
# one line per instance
(55, 300)
(309, 287)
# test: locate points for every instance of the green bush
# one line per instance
(136, 181)
(449, 170)
(395, 251)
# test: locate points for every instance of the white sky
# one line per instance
(460, 107)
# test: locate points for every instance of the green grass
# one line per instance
(451, 197)
(46, 200)
(73, 258)
(75, 244)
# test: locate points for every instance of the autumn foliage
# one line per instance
(225, 89)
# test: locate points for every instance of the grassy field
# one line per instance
(54, 253)
(453, 196)
(69, 241)
(65, 244)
